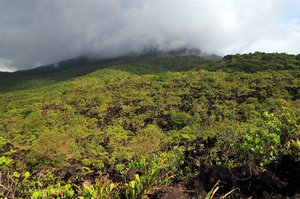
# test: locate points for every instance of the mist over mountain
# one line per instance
(35, 33)
(149, 99)
(90, 60)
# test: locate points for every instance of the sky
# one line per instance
(38, 32)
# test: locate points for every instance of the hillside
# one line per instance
(149, 62)
(135, 127)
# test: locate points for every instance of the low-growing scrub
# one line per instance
(139, 131)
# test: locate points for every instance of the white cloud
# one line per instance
(51, 30)
(5, 66)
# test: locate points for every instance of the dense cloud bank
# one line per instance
(37, 32)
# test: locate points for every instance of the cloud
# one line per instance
(5, 66)
(41, 32)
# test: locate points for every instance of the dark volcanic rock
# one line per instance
(172, 193)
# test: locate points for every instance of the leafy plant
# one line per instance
(57, 191)
(104, 188)
(261, 146)
(5, 161)
(156, 171)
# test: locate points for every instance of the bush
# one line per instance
(260, 146)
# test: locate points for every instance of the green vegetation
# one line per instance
(69, 69)
(257, 61)
(82, 136)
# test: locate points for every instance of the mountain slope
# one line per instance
(177, 124)
(68, 69)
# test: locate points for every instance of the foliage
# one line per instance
(261, 146)
(103, 188)
(57, 191)
(156, 173)
(258, 61)
(146, 113)
(5, 160)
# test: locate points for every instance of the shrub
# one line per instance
(260, 146)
